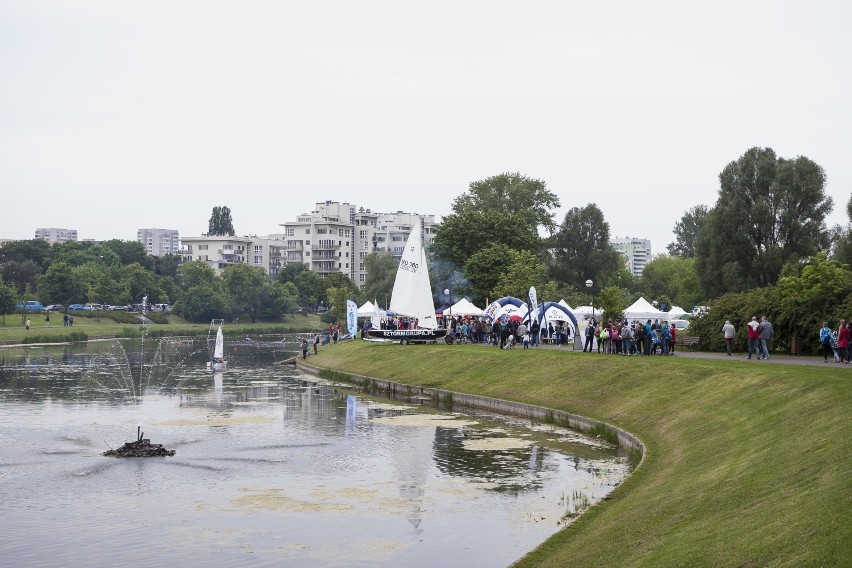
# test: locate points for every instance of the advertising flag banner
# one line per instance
(351, 317)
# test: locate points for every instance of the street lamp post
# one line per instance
(449, 293)
(590, 284)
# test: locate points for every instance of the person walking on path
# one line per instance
(842, 341)
(751, 329)
(825, 340)
(47, 319)
(729, 331)
(316, 344)
(27, 324)
(764, 333)
(304, 348)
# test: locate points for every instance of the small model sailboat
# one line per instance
(218, 362)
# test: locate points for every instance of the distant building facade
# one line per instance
(54, 235)
(159, 242)
(636, 253)
(335, 237)
(220, 252)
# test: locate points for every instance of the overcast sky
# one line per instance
(116, 116)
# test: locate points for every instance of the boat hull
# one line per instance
(406, 336)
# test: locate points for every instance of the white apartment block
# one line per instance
(336, 237)
(636, 253)
(159, 242)
(53, 235)
(220, 252)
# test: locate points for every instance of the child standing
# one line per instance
(526, 341)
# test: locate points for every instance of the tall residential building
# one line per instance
(159, 242)
(53, 235)
(636, 253)
(335, 237)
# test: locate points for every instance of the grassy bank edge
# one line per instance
(723, 481)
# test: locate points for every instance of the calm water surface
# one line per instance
(272, 467)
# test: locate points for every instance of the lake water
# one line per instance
(271, 467)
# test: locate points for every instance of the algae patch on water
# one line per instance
(496, 444)
(218, 421)
(443, 420)
(276, 500)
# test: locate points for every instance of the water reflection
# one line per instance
(272, 467)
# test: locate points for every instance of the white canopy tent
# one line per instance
(642, 310)
(583, 312)
(676, 312)
(564, 304)
(368, 310)
(463, 308)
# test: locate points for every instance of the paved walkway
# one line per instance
(692, 354)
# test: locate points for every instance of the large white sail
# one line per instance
(412, 291)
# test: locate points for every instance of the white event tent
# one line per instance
(642, 310)
(676, 312)
(367, 310)
(463, 308)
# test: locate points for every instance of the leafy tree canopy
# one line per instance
(461, 235)
(248, 287)
(513, 194)
(671, 277)
(686, 231)
(582, 250)
(770, 211)
(381, 273)
(59, 285)
(33, 250)
(220, 223)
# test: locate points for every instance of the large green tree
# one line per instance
(463, 234)
(582, 249)
(770, 211)
(512, 194)
(484, 269)
(35, 250)
(843, 244)
(686, 230)
(671, 277)
(21, 273)
(248, 287)
(8, 300)
(220, 223)
(381, 273)
(59, 285)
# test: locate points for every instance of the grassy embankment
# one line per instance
(93, 327)
(748, 464)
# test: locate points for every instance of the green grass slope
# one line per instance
(748, 464)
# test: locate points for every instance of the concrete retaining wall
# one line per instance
(537, 413)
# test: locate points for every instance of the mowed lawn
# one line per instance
(748, 463)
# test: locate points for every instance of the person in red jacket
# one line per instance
(753, 334)
(843, 341)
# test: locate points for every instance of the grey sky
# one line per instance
(116, 115)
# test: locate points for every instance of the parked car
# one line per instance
(94, 306)
(161, 308)
(118, 308)
(77, 308)
(55, 308)
(680, 325)
(31, 306)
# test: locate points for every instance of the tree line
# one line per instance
(501, 238)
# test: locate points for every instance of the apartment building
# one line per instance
(335, 237)
(54, 235)
(159, 242)
(220, 252)
(636, 253)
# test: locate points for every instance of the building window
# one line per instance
(289, 232)
(202, 247)
(258, 249)
(362, 278)
(258, 260)
(307, 231)
(363, 234)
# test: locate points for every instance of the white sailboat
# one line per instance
(218, 362)
(412, 294)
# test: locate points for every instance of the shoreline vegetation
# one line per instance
(746, 465)
(86, 328)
